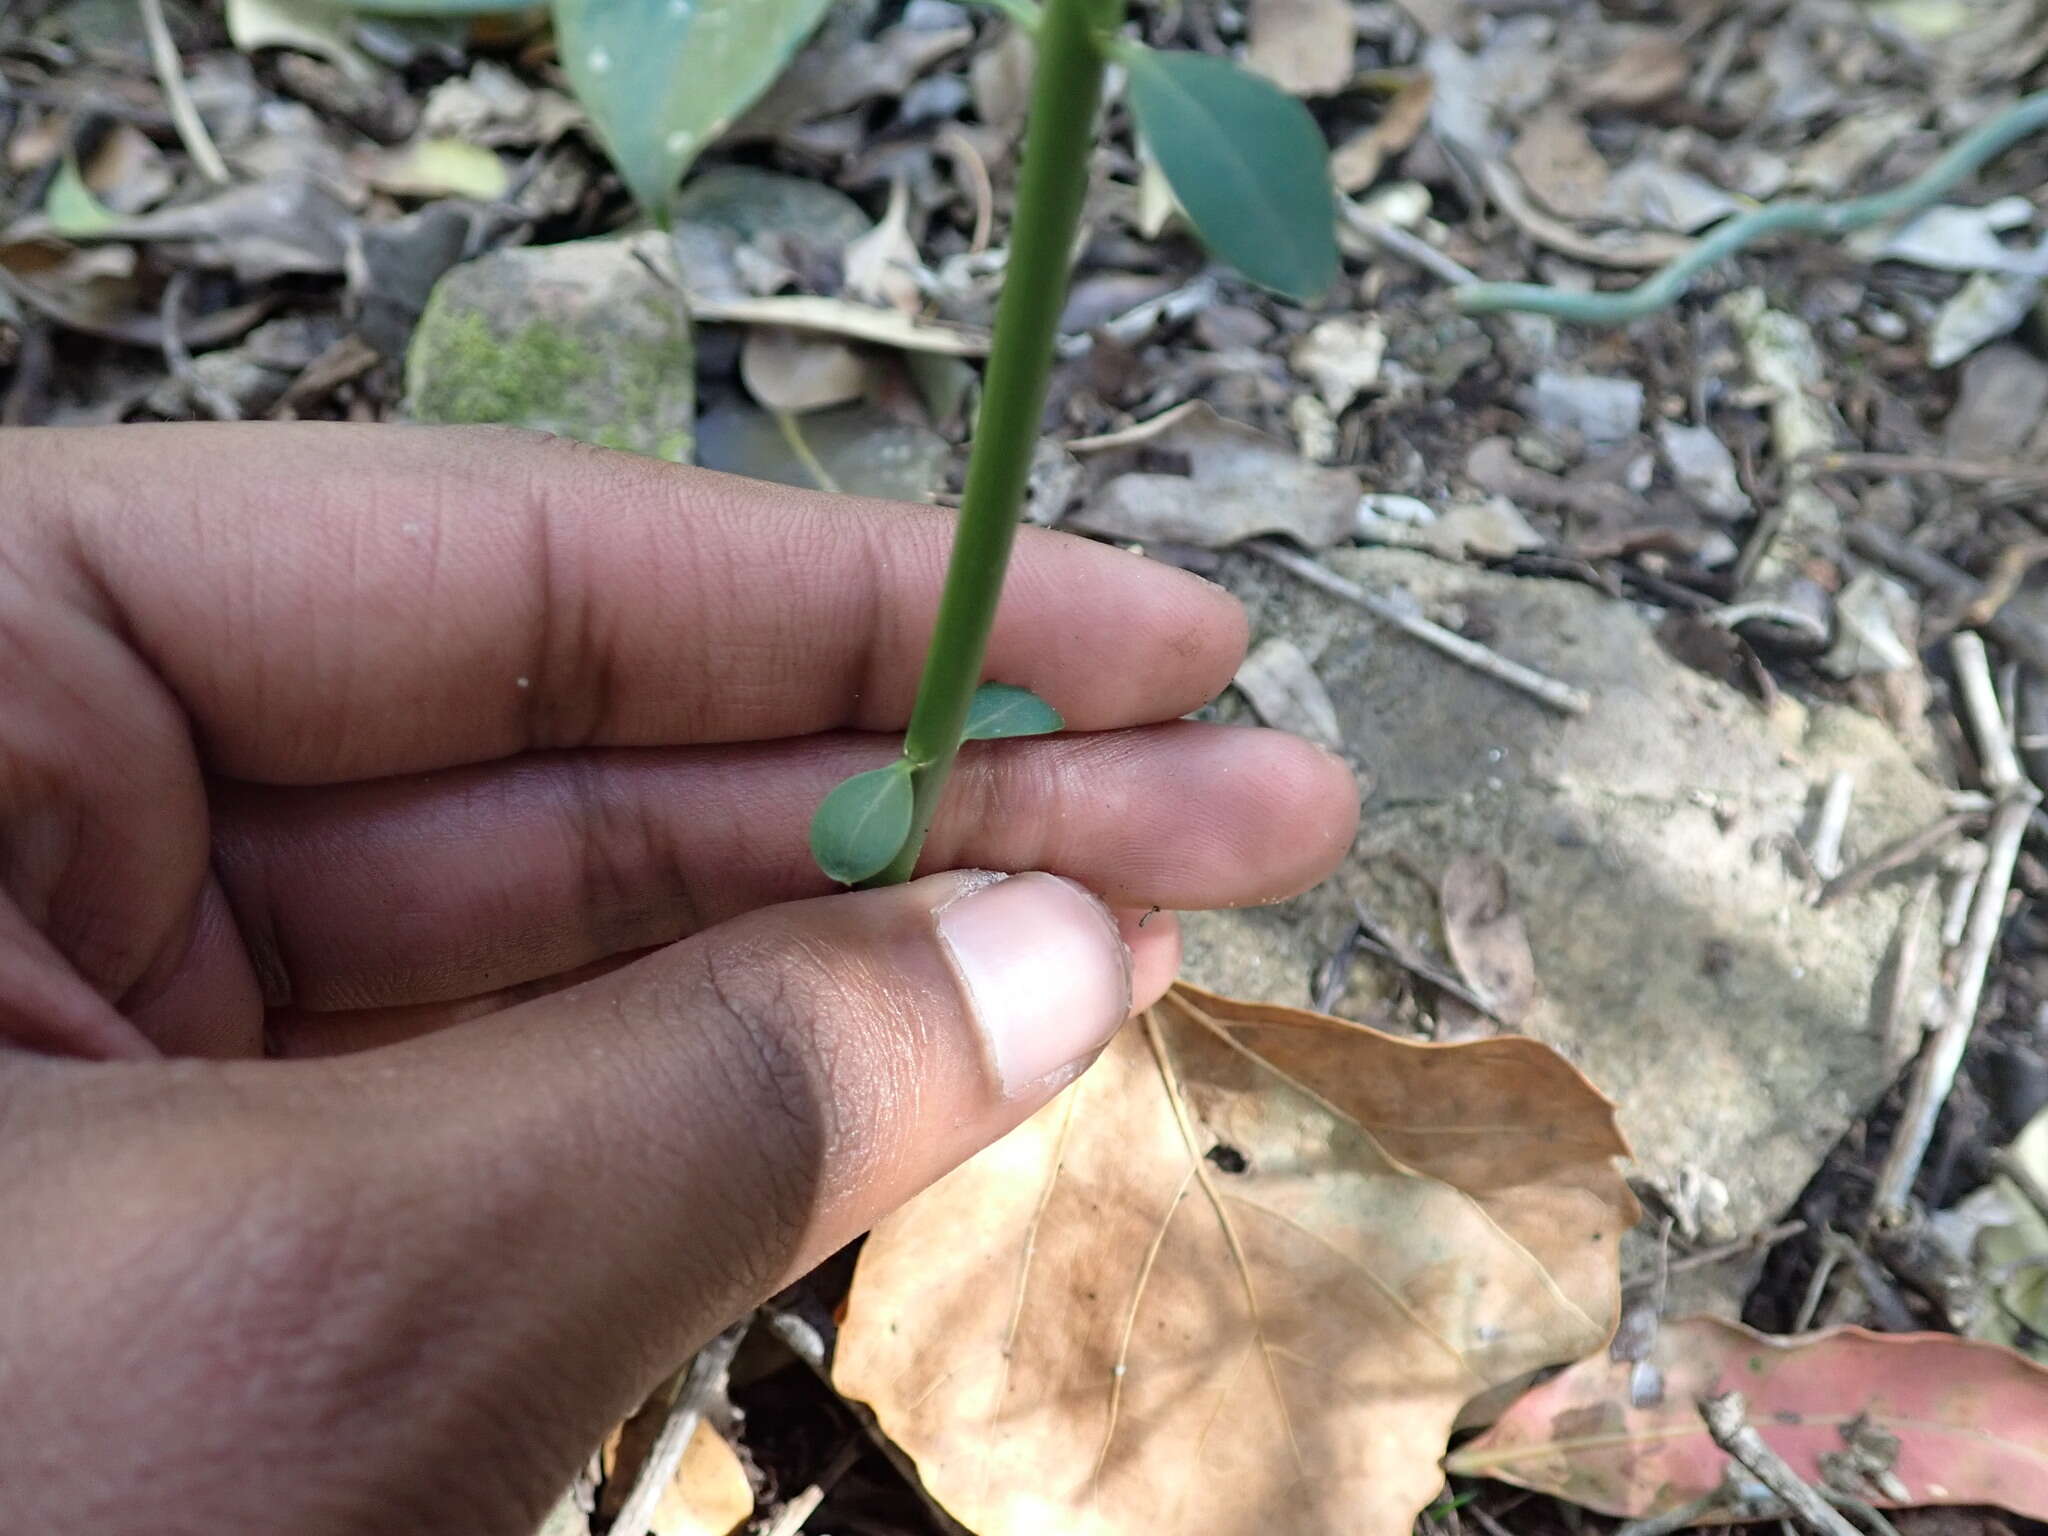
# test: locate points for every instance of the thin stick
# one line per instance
(1769, 1237)
(1727, 1419)
(1987, 721)
(793, 435)
(1963, 471)
(1894, 855)
(170, 74)
(179, 360)
(1374, 938)
(702, 1382)
(1936, 1073)
(1413, 249)
(1967, 865)
(1912, 936)
(804, 1505)
(1548, 690)
(1833, 821)
(1817, 1283)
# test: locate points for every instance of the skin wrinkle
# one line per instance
(558, 857)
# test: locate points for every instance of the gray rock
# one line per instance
(1603, 412)
(1680, 967)
(1704, 469)
(583, 339)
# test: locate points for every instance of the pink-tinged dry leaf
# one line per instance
(1971, 1419)
(1486, 936)
(1240, 1278)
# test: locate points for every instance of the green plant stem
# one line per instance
(2026, 116)
(1073, 41)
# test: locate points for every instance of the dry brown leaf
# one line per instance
(1649, 70)
(790, 371)
(709, 1494)
(1000, 78)
(1285, 692)
(1240, 1278)
(1357, 162)
(1239, 482)
(1303, 46)
(1342, 358)
(1486, 937)
(1558, 163)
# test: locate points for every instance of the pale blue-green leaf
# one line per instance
(1000, 709)
(71, 208)
(1246, 162)
(663, 78)
(860, 826)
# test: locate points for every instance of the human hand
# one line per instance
(470, 772)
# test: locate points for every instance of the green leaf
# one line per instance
(999, 710)
(663, 78)
(861, 824)
(71, 208)
(1246, 161)
(442, 7)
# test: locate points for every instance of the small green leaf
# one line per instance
(1246, 161)
(1000, 710)
(860, 826)
(663, 78)
(71, 208)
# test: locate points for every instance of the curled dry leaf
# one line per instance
(1240, 1278)
(792, 371)
(1970, 1419)
(1303, 46)
(1342, 358)
(1357, 162)
(1651, 69)
(1486, 936)
(882, 266)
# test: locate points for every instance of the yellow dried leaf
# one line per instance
(1240, 1278)
(709, 1494)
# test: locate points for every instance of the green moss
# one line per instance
(593, 360)
(461, 370)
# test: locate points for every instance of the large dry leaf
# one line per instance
(1971, 1420)
(1240, 1278)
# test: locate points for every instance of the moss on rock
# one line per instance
(582, 340)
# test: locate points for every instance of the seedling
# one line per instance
(1246, 162)
(662, 78)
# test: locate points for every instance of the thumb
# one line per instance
(611, 1173)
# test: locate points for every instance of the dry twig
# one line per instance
(1727, 1420)
(2016, 799)
(1831, 824)
(701, 1384)
(1547, 690)
(179, 359)
(170, 74)
(1895, 855)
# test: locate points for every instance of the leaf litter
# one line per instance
(1234, 1280)
(1573, 145)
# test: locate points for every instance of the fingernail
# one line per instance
(1046, 974)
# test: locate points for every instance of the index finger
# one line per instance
(332, 602)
